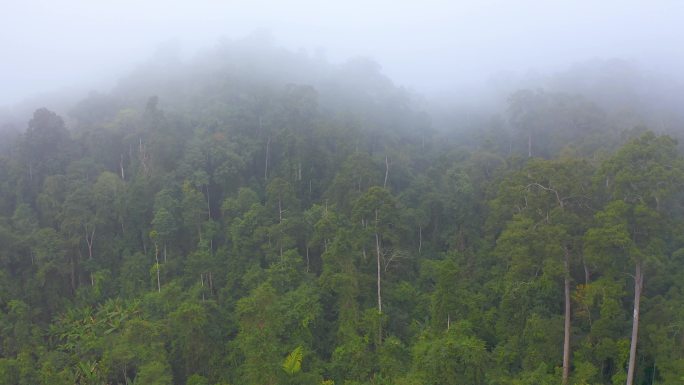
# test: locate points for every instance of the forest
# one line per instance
(257, 216)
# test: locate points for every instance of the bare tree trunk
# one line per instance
(156, 258)
(587, 274)
(529, 145)
(307, 259)
(384, 185)
(377, 249)
(566, 339)
(268, 147)
(202, 284)
(123, 176)
(89, 240)
(208, 202)
(378, 255)
(420, 238)
(280, 211)
(280, 221)
(638, 283)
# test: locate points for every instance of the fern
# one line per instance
(293, 361)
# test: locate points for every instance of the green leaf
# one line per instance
(293, 362)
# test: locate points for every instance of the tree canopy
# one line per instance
(226, 223)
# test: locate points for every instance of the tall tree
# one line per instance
(46, 148)
(640, 179)
(376, 213)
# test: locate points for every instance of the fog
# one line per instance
(430, 46)
(370, 192)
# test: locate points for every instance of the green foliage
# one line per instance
(293, 361)
(154, 373)
(278, 211)
(453, 356)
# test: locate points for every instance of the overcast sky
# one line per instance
(424, 44)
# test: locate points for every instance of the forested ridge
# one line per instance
(258, 216)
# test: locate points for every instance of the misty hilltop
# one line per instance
(431, 46)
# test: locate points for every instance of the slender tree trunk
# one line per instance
(280, 221)
(529, 145)
(89, 240)
(307, 259)
(377, 249)
(420, 238)
(384, 185)
(378, 256)
(280, 211)
(268, 147)
(202, 284)
(566, 339)
(208, 201)
(123, 176)
(156, 258)
(638, 283)
(587, 274)
(379, 282)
